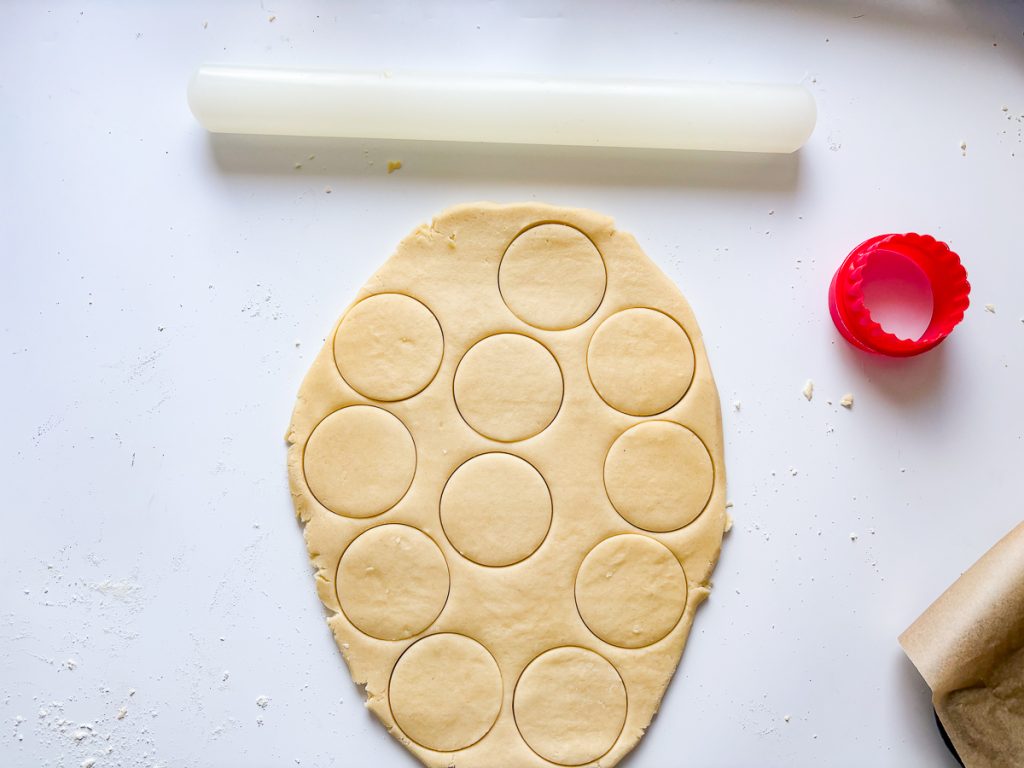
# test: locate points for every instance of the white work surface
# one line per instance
(164, 292)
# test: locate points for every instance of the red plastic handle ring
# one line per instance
(942, 268)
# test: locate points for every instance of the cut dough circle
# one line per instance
(508, 387)
(630, 591)
(359, 461)
(446, 692)
(392, 582)
(640, 361)
(496, 509)
(570, 705)
(659, 476)
(552, 277)
(388, 347)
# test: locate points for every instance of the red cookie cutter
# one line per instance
(942, 268)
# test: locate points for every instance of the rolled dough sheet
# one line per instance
(508, 460)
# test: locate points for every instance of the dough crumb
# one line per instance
(846, 401)
(808, 390)
(1005, 108)
(394, 165)
(70, 664)
(728, 523)
(327, 190)
(786, 718)
(990, 308)
(122, 713)
(853, 537)
(736, 405)
(89, 762)
(298, 166)
(793, 471)
(963, 148)
(298, 343)
(263, 702)
(206, 24)
(272, 19)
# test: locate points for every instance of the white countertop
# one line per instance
(165, 292)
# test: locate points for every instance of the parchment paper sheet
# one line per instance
(969, 647)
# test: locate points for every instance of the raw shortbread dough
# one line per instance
(508, 460)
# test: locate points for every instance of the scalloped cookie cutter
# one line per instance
(865, 264)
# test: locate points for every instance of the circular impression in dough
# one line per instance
(508, 461)
(496, 509)
(552, 277)
(388, 347)
(359, 461)
(630, 590)
(445, 692)
(570, 705)
(641, 361)
(508, 387)
(659, 475)
(392, 582)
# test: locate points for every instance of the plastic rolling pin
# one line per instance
(653, 114)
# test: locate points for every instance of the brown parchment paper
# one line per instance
(969, 647)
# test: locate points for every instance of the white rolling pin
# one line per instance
(511, 110)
